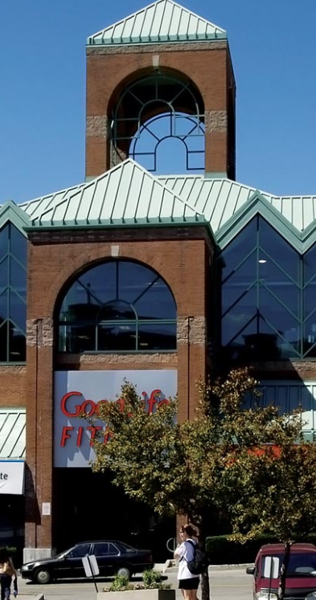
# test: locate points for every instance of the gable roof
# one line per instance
(127, 194)
(225, 203)
(162, 21)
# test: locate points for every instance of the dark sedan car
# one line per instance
(113, 557)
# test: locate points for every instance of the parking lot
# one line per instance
(225, 584)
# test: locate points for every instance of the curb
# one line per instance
(31, 596)
(170, 567)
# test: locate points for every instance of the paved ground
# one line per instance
(225, 584)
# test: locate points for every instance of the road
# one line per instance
(225, 584)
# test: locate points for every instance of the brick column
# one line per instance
(39, 438)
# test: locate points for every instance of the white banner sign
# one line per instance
(81, 392)
(12, 477)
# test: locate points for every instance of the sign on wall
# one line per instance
(81, 392)
(12, 477)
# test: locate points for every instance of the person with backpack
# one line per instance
(7, 572)
(186, 553)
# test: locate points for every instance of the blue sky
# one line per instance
(42, 94)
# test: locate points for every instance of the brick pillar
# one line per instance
(39, 438)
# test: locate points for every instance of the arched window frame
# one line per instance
(127, 130)
(137, 324)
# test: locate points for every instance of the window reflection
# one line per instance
(13, 257)
(118, 306)
(261, 296)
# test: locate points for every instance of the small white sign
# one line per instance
(271, 567)
(90, 566)
(12, 477)
(46, 508)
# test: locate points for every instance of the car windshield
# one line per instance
(300, 564)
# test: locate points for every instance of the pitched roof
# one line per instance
(127, 194)
(162, 21)
(220, 199)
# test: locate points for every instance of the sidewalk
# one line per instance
(170, 567)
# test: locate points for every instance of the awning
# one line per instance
(12, 433)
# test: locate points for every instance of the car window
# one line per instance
(300, 564)
(101, 549)
(79, 551)
(105, 549)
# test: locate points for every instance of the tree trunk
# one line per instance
(283, 570)
(205, 582)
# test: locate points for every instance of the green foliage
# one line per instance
(120, 583)
(151, 581)
(251, 464)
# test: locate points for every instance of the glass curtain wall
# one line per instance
(118, 306)
(268, 297)
(13, 277)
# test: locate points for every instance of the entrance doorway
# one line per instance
(88, 507)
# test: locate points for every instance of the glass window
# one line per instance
(300, 564)
(13, 256)
(239, 248)
(118, 306)
(79, 551)
(262, 296)
(101, 549)
(309, 259)
(279, 250)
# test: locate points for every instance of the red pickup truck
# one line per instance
(300, 577)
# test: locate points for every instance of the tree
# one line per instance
(228, 457)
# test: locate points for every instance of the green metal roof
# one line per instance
(128, 195)
(162, 21)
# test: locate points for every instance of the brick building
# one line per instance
(153, 278)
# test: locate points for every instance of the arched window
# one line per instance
(13, 257)
(118, 306)
(159, 121)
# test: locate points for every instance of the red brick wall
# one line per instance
(207, 64)
(181, 262)
(13, 386)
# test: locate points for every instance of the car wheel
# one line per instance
(42, 576)
(124, 571)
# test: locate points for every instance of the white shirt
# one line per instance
(185, 552)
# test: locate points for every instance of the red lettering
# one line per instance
(63, 404)
(79, 436)
(152, 400)
(65, 435)
(121, 403)
(162, 402)
(93, 433)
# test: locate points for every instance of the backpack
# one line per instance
(199, 562)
